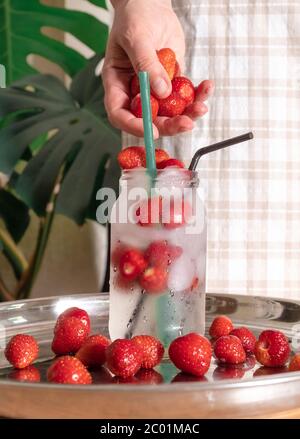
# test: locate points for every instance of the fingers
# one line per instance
(143, 57)
(175, 125)
(117, 103)
(196, 110)
(205, 90)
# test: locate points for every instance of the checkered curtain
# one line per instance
(251, 48)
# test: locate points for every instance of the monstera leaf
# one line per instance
(14, 213)
(21, 34)
(80, 142)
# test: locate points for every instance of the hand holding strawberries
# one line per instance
(140, 29)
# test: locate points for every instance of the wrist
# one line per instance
(116, 3)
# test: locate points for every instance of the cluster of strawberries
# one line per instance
(148, 268)
(79, 352)
(135, 157)
(183, 91)
(234, 345)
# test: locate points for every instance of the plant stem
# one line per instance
(13, 253)
(26, 283)
(4, 292)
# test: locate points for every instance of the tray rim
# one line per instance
(193, 386)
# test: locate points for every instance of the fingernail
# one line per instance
(160, 87)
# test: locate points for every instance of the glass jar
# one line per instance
(158, 255)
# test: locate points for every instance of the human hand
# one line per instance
(140, 28)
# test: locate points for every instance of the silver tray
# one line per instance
(254, 392)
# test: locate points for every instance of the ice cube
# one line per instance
(181, 274)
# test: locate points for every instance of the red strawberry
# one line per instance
(221, 325)
(124, 358)
(184, 88)
(152, 349)
(132, 264)
(69, 336)
(29, 373)
(171, 106)
(132, 157)
(160, 156)
(136, 106)
(134, 86)
(191, 354)
(168, 59)
(79, 313)
(170, 162)
(228, 371)
(177, 69)
(229, 349)
(162, 254)
(247, 338)
(272, 348)
(294, 363)
(175, 213)
(92, 352)
(149, 212)
(68, 370)
(154, 280)
(21, 350)
(149, 376)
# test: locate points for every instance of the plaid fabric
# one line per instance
(251, 48)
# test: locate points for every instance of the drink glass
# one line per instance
(158, 255)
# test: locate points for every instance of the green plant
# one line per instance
(22, 33)
(55, 143)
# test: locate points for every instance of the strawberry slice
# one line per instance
(154, 280)
(132, 264)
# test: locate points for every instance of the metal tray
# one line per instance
(251, 392)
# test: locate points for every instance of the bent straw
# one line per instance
(220, 145)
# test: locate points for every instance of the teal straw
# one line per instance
(162, 305)
(147, 122)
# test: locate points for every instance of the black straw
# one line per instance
(217, 146)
